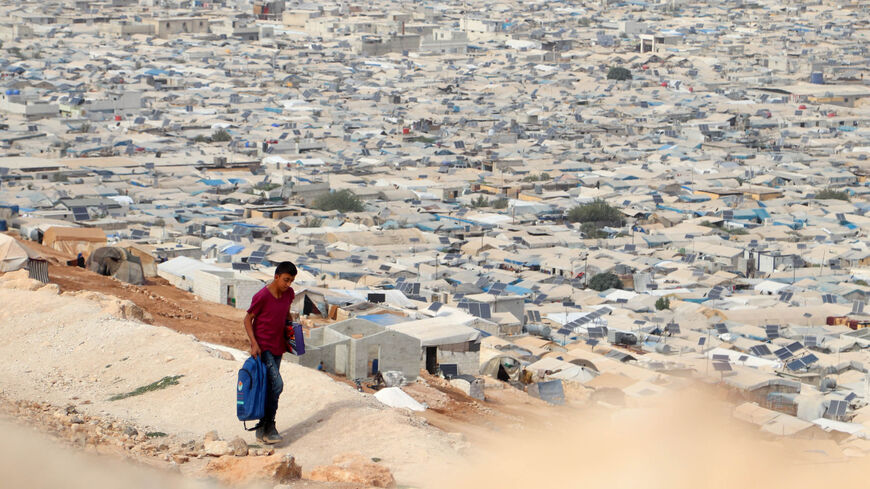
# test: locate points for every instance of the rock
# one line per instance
(356, 469)
(218, 448)
(180, 459)
(240, 447)
(245, 470)
(50, 288)
(211, 436)
(131, 431)
(76, 420)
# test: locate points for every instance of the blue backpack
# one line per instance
(251, 391)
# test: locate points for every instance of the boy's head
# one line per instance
(285, 273)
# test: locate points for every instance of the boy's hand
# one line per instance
(255, 350)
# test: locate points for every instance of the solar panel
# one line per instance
(539, 299)
(851, 396)
(783, 354)
(384, 268)
(743, 358)
(564, 331)
(435, 306)
(444, 240)
(657, 198)
(721, 358)
(497, 288)
(630, 247)
(485, 311)
(772, 331)
(241, 266)
(137, 234)
(80, 214)
(829, 299)
(591, 342)
(728, 214)
(811, 341)
(702, 340)
(674, 328)
(597, 332)
(794, 347)
(857, 307)
(836, 409)
(722, 366)
(796, 365)
(760, 350)
(785, 296)
(377, 298)
(809, 359)
(721, 328)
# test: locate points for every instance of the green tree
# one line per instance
(341, 201)
(480, 202)
(830, 193)
(618, 73)
(500, 203)
(604, 281)
(311, 222)
(597, 211)
(221, 136)
(663, 303)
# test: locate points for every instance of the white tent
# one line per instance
(13, 255)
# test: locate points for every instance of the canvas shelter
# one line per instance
(73, 241)
(117, 262)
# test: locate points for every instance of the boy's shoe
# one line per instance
(271, 435)
(261, 432)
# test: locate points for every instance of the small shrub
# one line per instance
(604, 281)
(341, 201)
(618, 73)
(663, 303)
(221, 136)
(830, 193)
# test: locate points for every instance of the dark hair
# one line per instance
(285, 267)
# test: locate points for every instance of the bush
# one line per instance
(221, 136)
(591, 231)
(663, 303)
(618, 73)
(341, 201)
(830, 193)
(311, 222)
(501, 203)
(604, 281)
(599, 212)
(480, 202)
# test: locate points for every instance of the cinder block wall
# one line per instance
(467, 362)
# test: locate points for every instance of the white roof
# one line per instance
(184, 266)
(437, 331)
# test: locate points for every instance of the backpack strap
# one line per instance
(245, 426)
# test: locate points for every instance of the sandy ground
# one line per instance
(60, 348)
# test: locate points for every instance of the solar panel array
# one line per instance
(760, 350)
(783, 354)
(409, 288)
(715, 293)
(257, 257)
(857, 307)
(836, 409)
(772, 331)
(137, 234)
(829, 299)
(435, 306)
(241, 266)
(673, 328)
(720, 328)
(533, 316)
(80, 214)
(785, 296)
(722, 366)
(497, 288)
(479, 309)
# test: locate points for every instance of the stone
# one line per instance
(218, 448)
(237, 471)
(211, 436)
(356, 469)
(131, 431)
(76, 420)
(180, 459)
(239, 446)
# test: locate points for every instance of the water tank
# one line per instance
(817, 77)
(538, 330)
(828, 384)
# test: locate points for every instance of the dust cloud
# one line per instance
(683, 442)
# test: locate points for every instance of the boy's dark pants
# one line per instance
(274, 388)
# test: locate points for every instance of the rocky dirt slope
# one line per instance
(73, 348)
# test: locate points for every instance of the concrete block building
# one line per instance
(225, 287)
(358, 349)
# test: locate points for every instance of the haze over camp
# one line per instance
(343, 244)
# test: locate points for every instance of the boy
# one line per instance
(264, 323)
